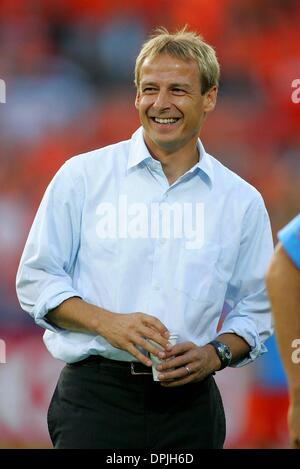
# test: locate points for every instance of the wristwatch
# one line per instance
(223, 352)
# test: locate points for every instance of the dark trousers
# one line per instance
(102, 405)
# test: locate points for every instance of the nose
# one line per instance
(161, 102)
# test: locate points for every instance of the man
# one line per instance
(138, 240)
(283, 284)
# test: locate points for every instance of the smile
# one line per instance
(169, 120)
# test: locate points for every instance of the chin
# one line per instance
(164, 139)
(167, 145)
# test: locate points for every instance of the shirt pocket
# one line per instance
(197, 273)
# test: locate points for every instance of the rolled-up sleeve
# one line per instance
(250, 315)
(44, 277)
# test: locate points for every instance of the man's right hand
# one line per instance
(124, 331)
(131, 331)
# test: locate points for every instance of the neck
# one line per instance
(177, 162)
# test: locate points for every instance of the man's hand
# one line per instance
(124, 331)
(131, 331)
(190, 363)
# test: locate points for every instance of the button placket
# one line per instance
(160, 244)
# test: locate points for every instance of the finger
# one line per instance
(189, 355)
(138, 355)
(176, 382)
(155, 323)
(150, 347)
(157, 339)
(181, 348)
(178, 373)
(193, 377)
(187, 378)
(176, 362)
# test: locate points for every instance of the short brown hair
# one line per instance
(185, 45)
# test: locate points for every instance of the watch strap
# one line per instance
(221, 349)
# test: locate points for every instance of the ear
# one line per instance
(137, 100)
(210, 99)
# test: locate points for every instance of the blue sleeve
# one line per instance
(289, 237)
(250, 317)
(44, 277)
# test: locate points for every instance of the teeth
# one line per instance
(165, 121)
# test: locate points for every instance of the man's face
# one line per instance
(170, 103)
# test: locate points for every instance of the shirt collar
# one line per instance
(204, 164)
(139, 152)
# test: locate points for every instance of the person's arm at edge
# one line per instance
(283, 285)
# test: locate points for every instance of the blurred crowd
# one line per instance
(68, 68)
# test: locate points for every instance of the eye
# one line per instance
(178, 91)
(149, 90)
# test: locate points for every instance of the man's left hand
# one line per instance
(187, 363)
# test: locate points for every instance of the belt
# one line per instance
(135, 368)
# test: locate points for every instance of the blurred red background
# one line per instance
(68, 69)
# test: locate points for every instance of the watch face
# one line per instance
(225, 352)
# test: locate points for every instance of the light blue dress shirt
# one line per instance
(112, 230)
(290, 239)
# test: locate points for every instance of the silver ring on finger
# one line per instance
(188, 370)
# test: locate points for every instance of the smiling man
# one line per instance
(172, 108)
(110, 272)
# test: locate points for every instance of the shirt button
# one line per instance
(156, 286)
(162, 240)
